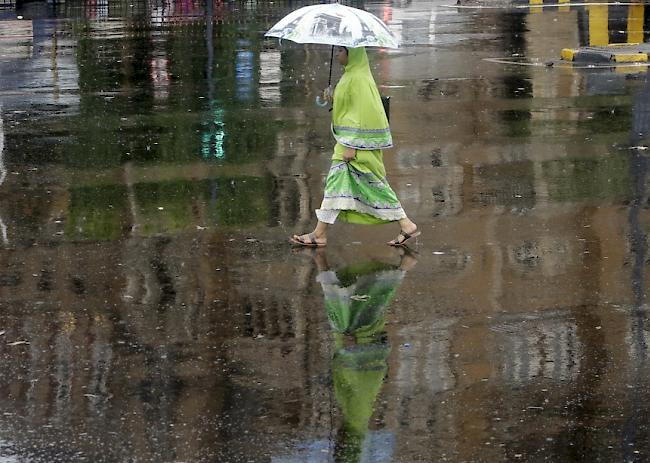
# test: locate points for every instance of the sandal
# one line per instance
(312, 243)
(405, 237)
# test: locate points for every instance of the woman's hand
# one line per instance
(349, 154)
(325, 98)
(328, 94)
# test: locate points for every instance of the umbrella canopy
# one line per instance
(334, 24)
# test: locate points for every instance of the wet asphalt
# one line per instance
(153, 164)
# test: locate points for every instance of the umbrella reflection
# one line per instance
(356, 301)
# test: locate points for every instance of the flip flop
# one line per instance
(312, 243)
(406, 236)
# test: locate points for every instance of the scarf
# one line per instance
(358, 119)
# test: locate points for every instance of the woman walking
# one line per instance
(356, 190)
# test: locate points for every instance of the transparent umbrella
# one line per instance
(334, 24)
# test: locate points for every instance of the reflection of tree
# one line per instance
(101, 212)
(212, 113)
(233, 129)
(356, 300)
(581, 179)
(96, 213)
(111, 79)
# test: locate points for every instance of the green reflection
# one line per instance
(356, 301)
(360, 318)
(576, 179)
(206, 105)
(173, 206)
(212, 139)
(511, 184)
(104, 212)
(166, 207)
(516, 122)
(608, 120)
(96, 213)
(169, 102)
(239, 201)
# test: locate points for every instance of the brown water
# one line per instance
(154, 163)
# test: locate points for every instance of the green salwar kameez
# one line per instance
(357, 191)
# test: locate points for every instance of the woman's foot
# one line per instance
(409, 230)
(309, 239)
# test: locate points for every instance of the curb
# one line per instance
(602, 56)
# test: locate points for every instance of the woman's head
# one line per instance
(353, 59)
(342, 55)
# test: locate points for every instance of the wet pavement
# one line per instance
(153, 164)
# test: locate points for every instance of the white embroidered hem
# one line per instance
(350, 204)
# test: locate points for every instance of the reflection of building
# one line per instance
(152, 337)
(144, 335)
(35, 61)
(532, 348)
(541, 212)
(160, 78)
(424, 364)
(17, 37)
(155, 354)
(410, 26)
(245, 74)
(270, 77)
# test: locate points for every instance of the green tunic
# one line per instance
(358, 189)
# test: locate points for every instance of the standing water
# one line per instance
(156, 156)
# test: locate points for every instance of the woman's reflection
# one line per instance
(356, 300)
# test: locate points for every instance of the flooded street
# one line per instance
(153, 164)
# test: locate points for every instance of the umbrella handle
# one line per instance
(328, 91)
(329, 81)
(320, 102)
